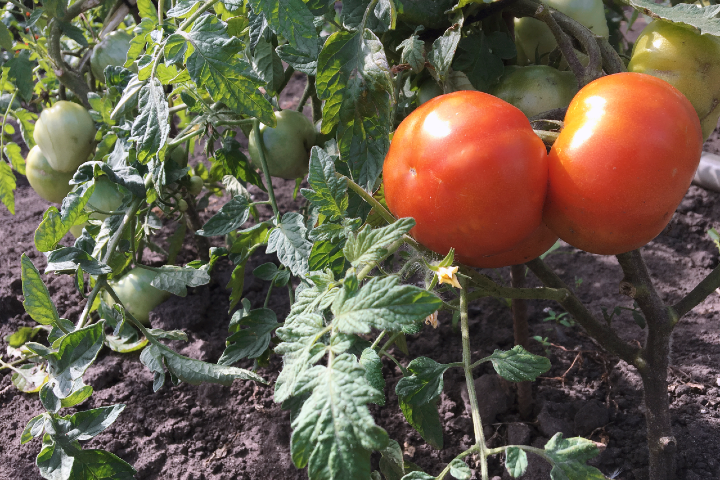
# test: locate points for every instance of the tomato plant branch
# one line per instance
(198, 13)
(446, 470)
(69, 78)
(602, 332)
(706, 287)
(193, 221)
(5, 117)
(491, 289)
(264, 165)
(387, 216)
(521, 331)
(309, 90)
(611, 61)
(4, 364)
(470, 381)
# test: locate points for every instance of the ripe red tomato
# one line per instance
(534, 245)
(622, 164)
(471, 172)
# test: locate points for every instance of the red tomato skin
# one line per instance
(622, 164)
(531, 247)
(471, 172)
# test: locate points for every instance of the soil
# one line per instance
(217, 433)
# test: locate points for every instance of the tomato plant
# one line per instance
(366, 269)
(687, 60)
(471, 172)
(286, 146)
(622, 164)
(65, 133)
(536, 88)
(48, 183)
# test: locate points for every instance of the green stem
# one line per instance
(446, 470)
(309, 88)
(263, 163)
(242, 121)
(203, 8)
(370, 199)
(10, 366)
(184, 138)
(377, 340)
(177, 108)
(368, 268)
(267, 297)
(15, 362)
(5, 117)
(382, 352)
(470, 381)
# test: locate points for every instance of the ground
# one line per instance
(215, 433)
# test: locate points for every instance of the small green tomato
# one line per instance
(137, 294)
(287, 146)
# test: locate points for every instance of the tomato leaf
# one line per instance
(460, 470)
(55, 8)
(151, 127)
(7, 187)
(703, 18)
(96, 464)
(291, 20)
(426, 420)
(329, 193)
(289, 240)
(68, 259)
(413, 52)
(569, 456)
(21, 74)
(334, 431)
(443, 49)
(481, 57)
(147, 10)
(372, 364)
(299, 60)
(214, 64)
(268, 66)
(516, 461)
(175, 279)
(384, 304)
(27, 125)
(425, 383)
(13, 153)
(37, 303)
(518, 365)
(328, 255)
(252, 341)
(370, 245)
(230, 217)
(6, 38)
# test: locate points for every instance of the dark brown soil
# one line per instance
(212, 432)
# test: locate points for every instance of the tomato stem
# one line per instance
(470, 381)
(264, 165)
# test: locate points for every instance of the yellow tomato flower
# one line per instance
(447, 275)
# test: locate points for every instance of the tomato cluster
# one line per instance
(471, 171)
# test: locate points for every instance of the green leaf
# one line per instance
(460, 470)
(290, 19)
(385, 304)
(89, 423)
(157, 357)
(300, 61)
(703, 18)
(236, 284)
(175, 280)
(413, 53)
(372, 364)
(252, 341)
(27, 125)
(6, 38)
(69, 259)
(326, 254)
(33, 429)
(426, 420)
(289, 240)
(392, 464)
(418, 476)
(21, 336)
(66, 460)
(21, 74)
(73, 33)
(334, 432)
(443, 49)
(175, 48)
(236, 164)
(147, 10)
(519, 365)
(55, 8)
(151, 126)
(55, 225)
(7, 187)
(183, 8)
(214, 65)
(75, 353)
(77, 397)
(231, 216)
(516, 461)
(425, 384)
(37, 303)
(268, 66)
(329, 193)
(299, 348)
(481, 57)
(29, 378)
(569, 456)
(369, 246)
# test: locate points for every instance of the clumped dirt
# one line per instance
(217, 433)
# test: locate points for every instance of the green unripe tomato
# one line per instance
(179, 155)
(287, 146)
(65, 133)
(196, 185)
(686, 60)
(48, 183)
(136, 293)
(112, 50)
(182, 205)
(430, 14)
(536, 89)
(428, 90)
(105, 197)
(532, 35)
